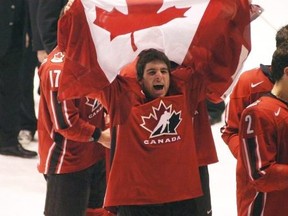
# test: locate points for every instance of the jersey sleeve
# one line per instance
(68, 122)
(64, 114)
(237, 103)
(258, 151)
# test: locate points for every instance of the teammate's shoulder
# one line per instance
(255, 80)
(258, 104)
(55, 57)
(265, 103)
(252, 74)
(54, 61)
(254, 105)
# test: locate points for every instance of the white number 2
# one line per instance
(248, 119)
(54, 78)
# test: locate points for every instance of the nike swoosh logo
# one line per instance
(208, 212)
(278, 112)
(253, 85)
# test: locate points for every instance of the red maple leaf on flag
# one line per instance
(140, 15)
(214, 39)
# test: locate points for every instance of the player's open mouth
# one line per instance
(158, 87)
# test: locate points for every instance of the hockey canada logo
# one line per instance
(95, 105)
(162, 121)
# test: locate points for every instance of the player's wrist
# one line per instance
(96, 134)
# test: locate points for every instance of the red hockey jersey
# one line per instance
(251, 86)
(155, 159)
(262, 169)
(65, 127)
(205, 146)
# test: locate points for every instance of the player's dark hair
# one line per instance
(282, 35)
(147, 56)
(279, 61)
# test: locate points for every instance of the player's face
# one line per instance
(156, 79)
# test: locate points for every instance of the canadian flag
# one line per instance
(100, 37)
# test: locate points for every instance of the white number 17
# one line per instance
(54, 78)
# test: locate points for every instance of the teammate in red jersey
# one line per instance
(251, 85)
(262, 168)
(71, 159)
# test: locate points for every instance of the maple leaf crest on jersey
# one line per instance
(58, 58)
(95, 105)
(162, 121)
